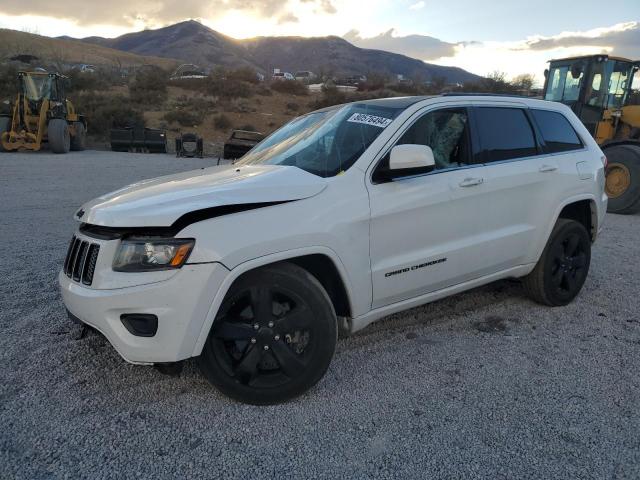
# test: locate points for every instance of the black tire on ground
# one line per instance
(623, 179)
(273, 337)
(78, 141)
(59, 137)
(5, 125)
(562, 269)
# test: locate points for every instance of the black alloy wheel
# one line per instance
(563, 267)
(273, 337)
(569, 264)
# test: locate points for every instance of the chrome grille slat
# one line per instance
(81, 259)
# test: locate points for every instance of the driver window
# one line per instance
(445, 131)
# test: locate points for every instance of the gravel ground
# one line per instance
(485, 384)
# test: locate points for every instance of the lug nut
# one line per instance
(276, 338)
(270, 324)
(266, 347)
(256, 326)
(253, 340)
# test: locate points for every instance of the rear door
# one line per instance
(521, 182)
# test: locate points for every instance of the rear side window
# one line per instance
(505, 133)
(557, 132)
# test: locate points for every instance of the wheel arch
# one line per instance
(582, 208)
(583, 211)
(321, 262)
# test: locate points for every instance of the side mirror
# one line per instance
(411, 157)
(546, 72)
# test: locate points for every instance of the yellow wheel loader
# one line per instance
(604, 92)
(42, 113)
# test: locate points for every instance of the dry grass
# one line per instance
(54, 50)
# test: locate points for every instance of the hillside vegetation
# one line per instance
(60, 53)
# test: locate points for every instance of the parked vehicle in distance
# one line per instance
(240, 142)
(355, 80)
(305, 76)
(85, 68)
(343, 216)
(277, 76)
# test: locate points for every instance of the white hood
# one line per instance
(161, 201)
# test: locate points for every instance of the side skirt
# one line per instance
(362, 321)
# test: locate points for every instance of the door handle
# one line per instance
(548, 168)
(471, 182)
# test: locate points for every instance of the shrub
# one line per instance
(243, 74)
(248, 127)
(149, 87)
(294, 107)
(8, 82)
(330, 96)
(105, 112)
(291, 87)
(194, 84)
(222, 122)
(184, 117)
(263, 91)
(83, 82)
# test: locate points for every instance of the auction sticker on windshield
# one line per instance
(370, 120)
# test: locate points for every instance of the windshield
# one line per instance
(37, 87)
(326, 142)
(563, 87)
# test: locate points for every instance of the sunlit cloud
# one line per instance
(529, 55)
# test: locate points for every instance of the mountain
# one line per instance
(192, 42)
(65, 51)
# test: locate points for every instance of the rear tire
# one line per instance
(562, 269)
(78, 141)
(58, 135)
(623, 179)
(273, 337)
(5, 125)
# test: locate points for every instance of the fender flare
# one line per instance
(556, 216)
(252, 264)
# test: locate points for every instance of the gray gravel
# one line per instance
(485, 384)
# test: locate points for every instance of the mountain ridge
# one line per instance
(193, 42)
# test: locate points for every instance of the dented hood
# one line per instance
(161, 201)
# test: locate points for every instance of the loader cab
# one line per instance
(38, 86)
(591, 86)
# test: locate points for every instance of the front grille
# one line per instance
(80, 263)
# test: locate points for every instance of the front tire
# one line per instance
(58, 135)
(273, 337)
(562, 269)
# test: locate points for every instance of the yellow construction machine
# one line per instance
(42, 113)
(604, 92)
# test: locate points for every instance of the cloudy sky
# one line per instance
(480, 36)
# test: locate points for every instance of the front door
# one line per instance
(424, 228)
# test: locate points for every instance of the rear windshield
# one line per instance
(325, 142)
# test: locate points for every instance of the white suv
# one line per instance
(341, 217)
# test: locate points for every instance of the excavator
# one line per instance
(42, 113)
(604, 92)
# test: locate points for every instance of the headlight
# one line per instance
(142, 255)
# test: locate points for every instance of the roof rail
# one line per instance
(471, 94)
